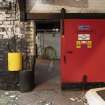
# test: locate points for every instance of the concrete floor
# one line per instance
(47, 91)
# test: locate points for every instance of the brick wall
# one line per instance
(9, 21)
(18, 36)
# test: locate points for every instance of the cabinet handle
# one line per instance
(65, 61)
(69, 52)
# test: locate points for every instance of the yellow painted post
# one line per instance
(14, 61)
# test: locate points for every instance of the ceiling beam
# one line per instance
(43, 16)
(58, 16)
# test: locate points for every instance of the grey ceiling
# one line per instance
(68, 3)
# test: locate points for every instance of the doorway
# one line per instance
(48, 51)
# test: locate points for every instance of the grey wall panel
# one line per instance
(48, 39)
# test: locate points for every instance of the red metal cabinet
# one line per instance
(83, 50)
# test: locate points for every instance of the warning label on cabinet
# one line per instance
(84, 40)
(83, 37)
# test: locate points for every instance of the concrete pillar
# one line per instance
(30, 32)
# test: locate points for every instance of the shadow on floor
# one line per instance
(46, 70)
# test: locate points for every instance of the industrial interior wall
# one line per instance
(10, 29)
(15, 35)
(10, 22)
(48, 40)
(51, 6)
(14, 41)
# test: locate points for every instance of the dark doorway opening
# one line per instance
(48, 36)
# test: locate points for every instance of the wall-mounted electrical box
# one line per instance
(83, 51)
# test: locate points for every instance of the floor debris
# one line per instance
(42, 97)
(47, 92)
(45, 103)
(72, 99)
(78, 99)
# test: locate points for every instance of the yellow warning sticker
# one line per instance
(89, 44)
(78, 44)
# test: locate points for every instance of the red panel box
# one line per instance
(83, 51)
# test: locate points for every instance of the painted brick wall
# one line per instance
(9, 22)
(10, 29)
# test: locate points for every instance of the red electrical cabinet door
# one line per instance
(83, 51)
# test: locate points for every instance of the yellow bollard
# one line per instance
(14, 61)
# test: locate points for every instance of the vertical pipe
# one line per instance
(63, 11)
